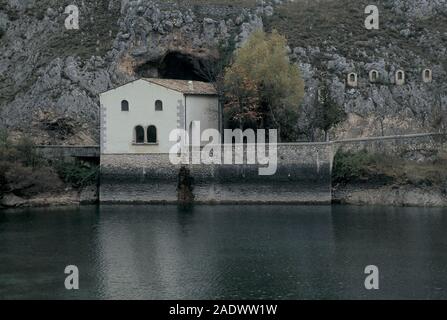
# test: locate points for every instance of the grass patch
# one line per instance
(25, 173)
(362, 166)
(231, 3)
(340, 23)
(351, 166)
(97, 30)
(218, 9)
(22, 171)
(78, 174)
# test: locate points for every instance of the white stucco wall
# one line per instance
(204, 109)
(118, 126)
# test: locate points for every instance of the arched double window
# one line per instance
(152, 134)
(124, 105)
(158, 105)
(139, 134)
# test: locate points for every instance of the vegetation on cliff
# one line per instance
(354, 167)
(24, 173)
(328, 112)
(47, 69)
(340, 24)
(262, 88)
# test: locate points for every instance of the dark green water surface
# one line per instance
(224, 252)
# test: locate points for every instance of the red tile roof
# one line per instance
(185, 86)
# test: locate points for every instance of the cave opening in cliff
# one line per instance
(176, 65)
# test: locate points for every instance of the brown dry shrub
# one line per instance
(25, 181)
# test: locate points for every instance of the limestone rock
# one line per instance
(11, 200)
(4, 21)
(89, 195)
(44, 68)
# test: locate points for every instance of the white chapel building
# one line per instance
(138, 117)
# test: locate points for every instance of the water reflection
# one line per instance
(223, 252)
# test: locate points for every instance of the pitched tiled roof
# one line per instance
(185, 86)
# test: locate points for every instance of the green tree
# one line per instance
(439, 121)
(262, 74)
(327, 112)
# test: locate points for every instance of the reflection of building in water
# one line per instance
(153, 255)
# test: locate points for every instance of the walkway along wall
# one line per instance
(68, 153)
(412, 146)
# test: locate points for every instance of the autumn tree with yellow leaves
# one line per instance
(262, 88)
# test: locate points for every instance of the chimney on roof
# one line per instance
(191, 85)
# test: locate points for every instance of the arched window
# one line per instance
(400, 77)
(373, 76)
(158, 105)
(139, 134)
(352, 79)
(124, 105)
(427, 75)
(152, 134)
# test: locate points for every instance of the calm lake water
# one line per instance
(224, 252)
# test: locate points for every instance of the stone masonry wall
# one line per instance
(302, 176)
(410, 147)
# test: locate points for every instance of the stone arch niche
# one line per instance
(352, 79)
(400, 77)
(178, 65)
(374, 76)
(427, 76)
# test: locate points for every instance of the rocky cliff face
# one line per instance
(329, 41)
(50, 77)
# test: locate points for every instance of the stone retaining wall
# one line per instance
(68, 153)
(302, 176)
(402, 146)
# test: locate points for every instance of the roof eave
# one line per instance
(201, 94)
